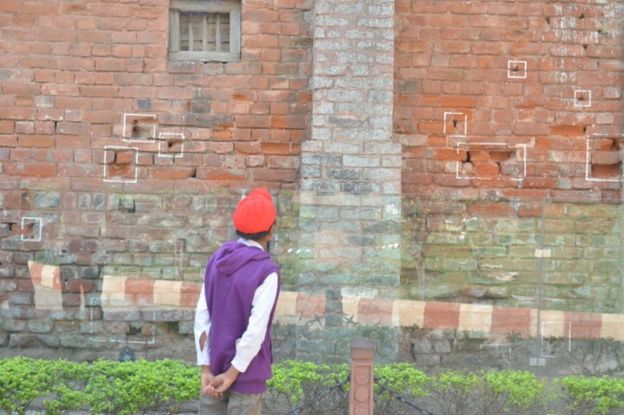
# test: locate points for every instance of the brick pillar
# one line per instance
(351, 167)
(362, 378)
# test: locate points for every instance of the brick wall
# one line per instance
(523, 98)
(463, 152)
(73, 78)
(350, 194)
(351, 166)
(510, 115)
(70, 72)
(525, 253)
(115, 160)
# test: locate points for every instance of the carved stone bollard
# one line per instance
(362, 379)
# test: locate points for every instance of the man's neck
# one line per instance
(263, 243)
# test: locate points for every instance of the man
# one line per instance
(235, 311)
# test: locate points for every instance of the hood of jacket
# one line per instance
(234, 255)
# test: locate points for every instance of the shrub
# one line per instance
(396, 380)
(594, 395)
(513, 390)
(295, 384)
(106, 387)
(66, 387)
(131, 387)
(22, 380)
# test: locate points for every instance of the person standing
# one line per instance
(235, 311)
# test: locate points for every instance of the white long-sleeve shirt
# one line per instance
(248, 345)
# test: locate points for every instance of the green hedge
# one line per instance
(104, 387)
(107, 387)
(603, 395)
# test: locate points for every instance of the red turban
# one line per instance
(255, 213)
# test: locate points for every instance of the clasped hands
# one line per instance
(215, 385)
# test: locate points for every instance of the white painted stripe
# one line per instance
(350, 306)
(114, 291)
(50, 275)
(407, 313)
(475, 317)
(167, 293)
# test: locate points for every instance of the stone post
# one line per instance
(362, 379)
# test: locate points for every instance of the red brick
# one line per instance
(509, 320)
(531, 211)
(10, 6)
(253, 121)
(20, 154)
(485, 209)
(79, 170)
(583, 325)
(139, 286)
(30, 169)
(606, 171)
(247, 148)
(288, 122)
(260, 15)
(375, 311)
(486, 169)
(7, 127)
(441, 316)
(36, 141)
(310, 306)
(274, 175)
(218, 175)
(26, 286)
(261, 41)
(568, 130)
(450, 101)
(451, 154)
(189, 294)
(173, 173)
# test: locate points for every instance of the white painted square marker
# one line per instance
(588, 173)
(517, 69)
(135, 118)
(36, 223)
(107, 179)
(582, 98)
(455, 125)
(522, 147)
(163, 141)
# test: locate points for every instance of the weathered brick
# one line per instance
(47, 200)
(23, 340)
(40, 326)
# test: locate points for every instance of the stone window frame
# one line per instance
(205, 7)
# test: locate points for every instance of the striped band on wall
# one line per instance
(302, 308)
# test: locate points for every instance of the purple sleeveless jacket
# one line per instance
(233, 274)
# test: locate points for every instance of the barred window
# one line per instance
(206, 30)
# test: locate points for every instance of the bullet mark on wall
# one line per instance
(489, 161)
(455, 125)
(126, 205)
(31, 229)
(582, 98)
(603, 159)
(517, 69)
(139, 127)
(171, 144)
(121, 164)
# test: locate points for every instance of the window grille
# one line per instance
(204, 30)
